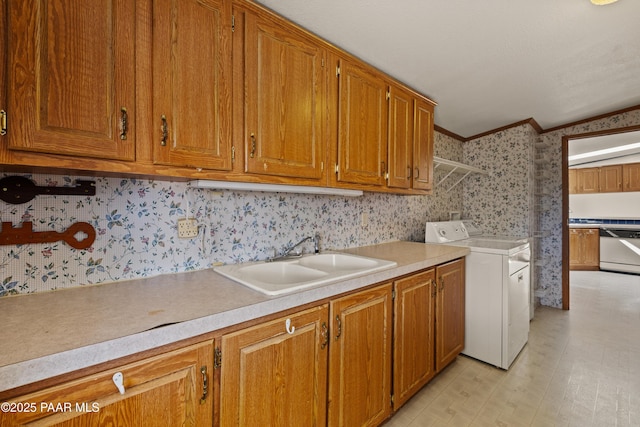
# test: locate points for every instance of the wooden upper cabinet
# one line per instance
(423, 146)
(610, 179)
(360, 358)
(631, 172)
(588, 180)
(192, 83)
(273, 377)
(71, 77)
(401, 138)
(285, 81)
(173, 389)
(573, 181)
(362, 125)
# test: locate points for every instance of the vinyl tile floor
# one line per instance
(581, 367)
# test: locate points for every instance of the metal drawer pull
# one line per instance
(205, 384)
(3, 122)
(253, 145)
(325, 335)
(124, 123)
(339, 327)
(164, 129)
(118, 380)
(290, 329)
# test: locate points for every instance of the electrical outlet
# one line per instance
(187, 228)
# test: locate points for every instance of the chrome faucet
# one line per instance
(287, 252)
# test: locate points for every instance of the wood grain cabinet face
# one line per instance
(360, 358)
(272, 377)
(584, 249)
(588, 180)
(401, 138)
(450, 310)
(631, 174)
(610, 179)
(71, 78)
(285, 81)
(362, 126)
(160, 391)
(192, 84)
(423, 146)
(414, 335)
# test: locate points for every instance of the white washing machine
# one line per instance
(497, 276)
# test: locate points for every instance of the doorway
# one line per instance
(591, 149)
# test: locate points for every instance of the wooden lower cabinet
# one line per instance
(449, 312)
(275, 373)
(166, 390)
(414, 334)
(584, 249)
(360, 358)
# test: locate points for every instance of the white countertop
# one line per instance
(53, 333)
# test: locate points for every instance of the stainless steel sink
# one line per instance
(279, 277)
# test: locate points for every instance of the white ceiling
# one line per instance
(491, 63)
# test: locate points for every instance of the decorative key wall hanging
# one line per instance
(18, 189)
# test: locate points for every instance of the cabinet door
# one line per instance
(362, 126)
(592, 248)
(71, 79)
(360, 358)
(573, 181)
(449, 312)
(423, 146)
(170, 389)
(588, 180)
(631, 173)
(273, 377)
(575, 248)
(584, 249)
(400, 138)
(192, 83)
(285, 80)
(413, 330)
(610, 179)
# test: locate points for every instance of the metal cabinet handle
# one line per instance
(417, 174)
(384, 168)
(164, 129)
(435, 288)
(441, 284)
(325, 335)
(253, 145)
(124, 123)
(205, 384)
(408, 172)
(339, 327)
(3, 122)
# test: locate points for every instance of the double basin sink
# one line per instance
(279, 277)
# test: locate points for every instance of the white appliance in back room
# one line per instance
(497, 280)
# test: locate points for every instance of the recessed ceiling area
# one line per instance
(492, 63)
(615, 148)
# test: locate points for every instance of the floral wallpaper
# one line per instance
(136, 226)
(501, 201)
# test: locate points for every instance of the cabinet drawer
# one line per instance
(163, 390)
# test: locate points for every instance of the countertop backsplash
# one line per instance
(136, 227)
